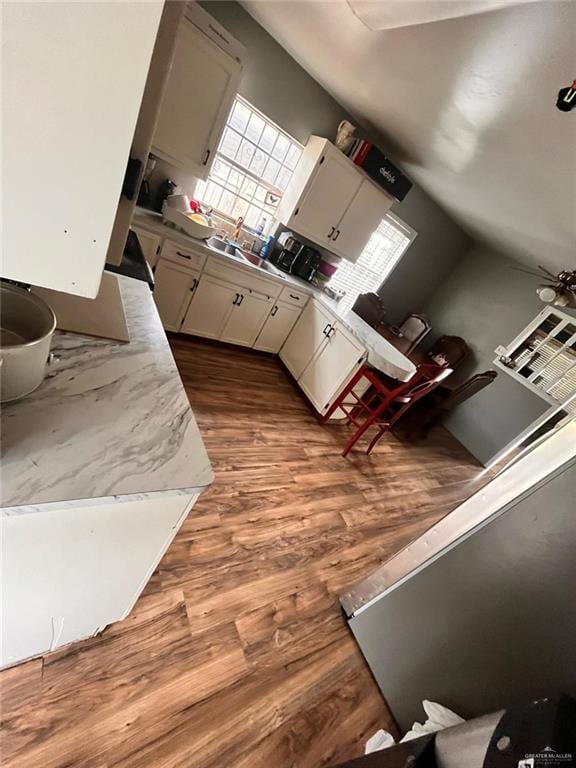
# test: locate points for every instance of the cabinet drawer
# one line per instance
(181, 255)
(294, 296)
(243, 278)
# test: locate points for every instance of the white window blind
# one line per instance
(381, 254)
(544, 356)
(253, 166)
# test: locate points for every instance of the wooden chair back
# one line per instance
(452, 348)
(370, 308)
(470, 387)
(414, 328)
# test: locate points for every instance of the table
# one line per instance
(382, 354)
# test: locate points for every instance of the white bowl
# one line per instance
(191, 227)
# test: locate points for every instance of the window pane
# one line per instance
(379, 257)
(255, 128)
(271, 171)
(260, 193)
(235, 180)
(230, 143)
(250, 143)
(227, 202)
(245, 153)
(220, 170)
(253, 216)
(280, 148)
(268, 138)
(248, 188)
(283, 178)
(240, 208)
(239, 117)
(292, 157)
(258, 162)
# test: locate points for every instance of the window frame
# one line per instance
(406, 229)
(272, 189)
(509, 349)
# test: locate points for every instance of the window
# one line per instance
(543, 357)
(253, 166)
(381, 254)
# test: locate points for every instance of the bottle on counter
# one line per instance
(260, 227)
(267, 248)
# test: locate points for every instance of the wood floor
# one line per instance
(237, 655)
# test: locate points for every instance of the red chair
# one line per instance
(380, 404)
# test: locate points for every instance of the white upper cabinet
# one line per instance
(330, 192)
(73, 79)
(332, 202)
(201, 87)
(362, 218)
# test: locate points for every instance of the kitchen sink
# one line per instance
(217, 244)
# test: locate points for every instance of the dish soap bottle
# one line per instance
(260, 227)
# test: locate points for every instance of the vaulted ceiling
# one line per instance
(468, 104)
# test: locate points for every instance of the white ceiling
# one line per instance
(468, 104)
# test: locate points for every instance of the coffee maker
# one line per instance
(285, 257)
(306, 263)
(297, 259)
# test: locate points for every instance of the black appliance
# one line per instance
(290, 250)
(306, 263)
(133, 263)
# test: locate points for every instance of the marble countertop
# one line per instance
(110, 419)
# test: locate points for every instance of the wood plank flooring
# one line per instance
(237, 655)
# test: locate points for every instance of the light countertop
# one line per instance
(381, 354)
(110, 419)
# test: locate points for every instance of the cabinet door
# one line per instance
(306, 338)
(71, 92)
(328, 196)
(208, 312)
(173, 290)
(201, 87)
(278, 325)
(360, 221)
(247, 319)
(327, 373)
(149, 243)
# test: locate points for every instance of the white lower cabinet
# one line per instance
(149, 243)
(331, 367)
(246, 320)
(321, 354)
(70, 569)
(307, 336)
(173, 290)
(278, 325)
(213, 303)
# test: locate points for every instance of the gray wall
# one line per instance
(487, 301)
(488, 624)
(277, 85)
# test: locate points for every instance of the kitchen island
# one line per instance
(101, 465)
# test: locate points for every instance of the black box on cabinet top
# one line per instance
(383, 171)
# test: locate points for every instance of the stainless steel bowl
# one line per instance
(26, 327)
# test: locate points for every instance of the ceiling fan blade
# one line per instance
(548, 273)
(539, 275)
